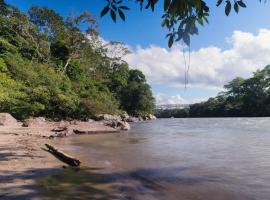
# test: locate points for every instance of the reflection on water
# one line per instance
(204, 159)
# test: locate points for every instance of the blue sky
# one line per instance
(215, 53)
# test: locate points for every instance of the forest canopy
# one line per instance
(50, 66)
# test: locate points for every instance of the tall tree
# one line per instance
(137, 98)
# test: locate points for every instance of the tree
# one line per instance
(235, 87)
(59, 68)
(136, 75)
(76, 37)
(180, 17)
(48, 22)
(137, 98)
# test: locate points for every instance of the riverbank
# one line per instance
(47, 128)
(23, 158)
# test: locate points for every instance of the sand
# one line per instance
(23, 159)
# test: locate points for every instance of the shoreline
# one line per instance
(23, 159)
(22, 155)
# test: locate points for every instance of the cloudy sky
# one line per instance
(226, 48)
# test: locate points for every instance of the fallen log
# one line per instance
(63, 156)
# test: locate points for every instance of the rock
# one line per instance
(124, 116)
(90, 120)
(140, 118)
(59, 129)
(132, 119)
(145, 117)
(74, 122)
(111, 123)
(82, 127)
(63, 123)
(123, 126)
(66, 132)
(108, 117)
(117, 124)
(6, 119)
(152, 117)
(38, 121)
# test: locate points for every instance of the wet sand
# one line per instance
(23, 159)
(28, 172)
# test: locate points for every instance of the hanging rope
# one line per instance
(187, 65)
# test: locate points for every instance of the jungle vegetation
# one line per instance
(59, 68)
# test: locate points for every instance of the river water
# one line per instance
(170, 159)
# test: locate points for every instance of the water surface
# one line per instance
(170, 159)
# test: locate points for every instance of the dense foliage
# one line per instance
(59, 68)
(180, 17)
(172, 113)
(242, 98)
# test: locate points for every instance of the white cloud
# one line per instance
(210, 66)
(162, 99)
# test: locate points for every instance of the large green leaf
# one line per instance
(105, 10)
(121, 14)
(228, 7)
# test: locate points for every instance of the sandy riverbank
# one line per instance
(22, 158)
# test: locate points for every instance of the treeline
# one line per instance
(172, 113)
(59, 68)
(242, 98)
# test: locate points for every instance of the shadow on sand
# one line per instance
(93, 183)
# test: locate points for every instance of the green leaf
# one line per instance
(219, 2)
(114, 7)
(122, 15)
(205, 19)
(200, 21)
(118, 2)
(104, 11)
(242, 4)
(152, 6)
(165, 23)
(228, 8)
(236, 7)
(113, 15)
(166, 4)
(197, 3)
(123, 7)
(170, 42)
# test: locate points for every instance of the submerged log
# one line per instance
(63, 156)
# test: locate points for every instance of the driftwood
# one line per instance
(63, 156)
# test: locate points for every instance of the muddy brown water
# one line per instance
(169, 159)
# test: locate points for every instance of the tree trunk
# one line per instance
(67, 63)
(62, 156)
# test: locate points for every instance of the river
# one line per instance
(170, 159)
